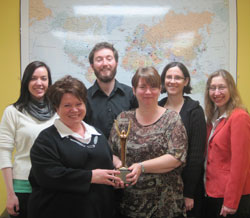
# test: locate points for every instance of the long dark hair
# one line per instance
(24, 97)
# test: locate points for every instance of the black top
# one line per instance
(102, 110)
(193, 117)
(61, 177)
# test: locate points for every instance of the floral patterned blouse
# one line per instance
(154, 194)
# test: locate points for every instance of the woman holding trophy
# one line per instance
(72, 168)
(154, 152)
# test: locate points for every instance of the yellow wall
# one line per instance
(9, 52)
(9, 63)
(243, 69)
(10, 58)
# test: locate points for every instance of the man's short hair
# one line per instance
(100, 46)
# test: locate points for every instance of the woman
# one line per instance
(21, 123)
(156, 151)
(228, 152)
(176, 80)
(71, 174)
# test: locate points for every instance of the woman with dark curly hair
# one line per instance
(72, 167)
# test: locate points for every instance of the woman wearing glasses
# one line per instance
(227, 180)
(175, 80)
(156, 153)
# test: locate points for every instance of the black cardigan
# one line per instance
(61, 177)
(193, 118)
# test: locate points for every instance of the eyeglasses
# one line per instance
(175, 78)
(220, 88)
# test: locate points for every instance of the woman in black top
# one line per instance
(72, 167)
(176, 81)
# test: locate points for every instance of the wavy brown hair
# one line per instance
(234, 100)
(67, 84)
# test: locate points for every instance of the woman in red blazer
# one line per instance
(227, 177)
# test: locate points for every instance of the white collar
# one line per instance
(65, 131)
(216, 120)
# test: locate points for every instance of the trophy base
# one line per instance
(123, 173)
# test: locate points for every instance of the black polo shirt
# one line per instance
(102, 110)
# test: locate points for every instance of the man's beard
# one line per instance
(105, 79)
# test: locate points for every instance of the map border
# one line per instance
(24, 36)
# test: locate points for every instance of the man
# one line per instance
(107, 97)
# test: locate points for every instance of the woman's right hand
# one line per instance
(12, 204)
(106, 177)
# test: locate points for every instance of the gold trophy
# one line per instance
(123, 138)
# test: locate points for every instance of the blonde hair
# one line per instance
(234, 100)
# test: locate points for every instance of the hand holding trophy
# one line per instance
(123, 135)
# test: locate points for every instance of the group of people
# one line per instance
(68, 151)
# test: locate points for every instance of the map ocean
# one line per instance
(145, 33)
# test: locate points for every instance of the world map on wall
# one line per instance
(196, 33)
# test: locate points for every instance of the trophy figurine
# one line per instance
(123, 135)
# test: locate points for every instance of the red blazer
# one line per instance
(228, 159)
